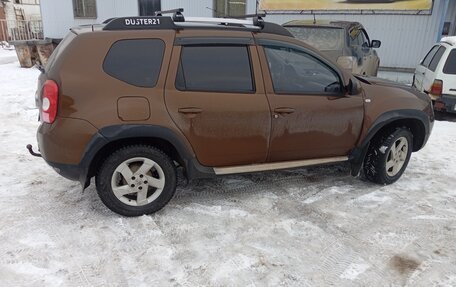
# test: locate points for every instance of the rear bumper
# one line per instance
(445, 103)
(69, 171)
(62, 145)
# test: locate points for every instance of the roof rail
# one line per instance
(222, 21)
(177, 22)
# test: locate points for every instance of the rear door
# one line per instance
(215, 95)
(420, 70)
(431, 71)
(449, 74)
(312, 116)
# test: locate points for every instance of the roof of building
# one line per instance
(322, 23)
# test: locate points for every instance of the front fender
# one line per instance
(390, 119)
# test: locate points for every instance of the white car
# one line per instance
(436, 75)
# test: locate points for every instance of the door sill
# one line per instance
(276, 165)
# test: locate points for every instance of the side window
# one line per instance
(365, 38)
(136, 62)
(356, 37)
(429, 56)
(215, 69)
(435, 61)
(296, 72)
(450, 64)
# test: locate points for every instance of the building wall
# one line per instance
(58, 16)
(451, 16)
(31, 12)
(405, 38)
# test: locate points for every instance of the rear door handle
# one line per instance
(191, 110)
(284, 110)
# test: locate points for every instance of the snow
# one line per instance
(7, 55)
(313, 226)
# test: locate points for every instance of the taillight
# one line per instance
(49, 101)
(436, 88)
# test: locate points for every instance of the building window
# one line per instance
(149, 7)
(31, 2)
(85, 8)
(229, 8)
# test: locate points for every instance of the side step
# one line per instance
(276, 165)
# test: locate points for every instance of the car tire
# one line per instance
(388, 155)
(136, 180)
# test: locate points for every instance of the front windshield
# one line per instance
(322, 38)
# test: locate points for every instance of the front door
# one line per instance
(369, 54)
(312, 116)
(360, 46)
(215, 95)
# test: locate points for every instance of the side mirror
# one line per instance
(376, 44)
(353, 87)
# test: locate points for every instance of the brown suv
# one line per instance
(131, 100)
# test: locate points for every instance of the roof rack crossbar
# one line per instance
(164, 22)
(177, 14)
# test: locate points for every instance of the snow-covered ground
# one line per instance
(306, 227)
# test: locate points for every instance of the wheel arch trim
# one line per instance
(115, 133)
(357, 155)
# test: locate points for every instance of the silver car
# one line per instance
(346, 43)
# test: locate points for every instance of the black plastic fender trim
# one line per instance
(114, 133)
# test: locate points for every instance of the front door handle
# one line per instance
(284, 110)
(191, 110)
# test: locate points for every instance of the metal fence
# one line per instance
(15, 30)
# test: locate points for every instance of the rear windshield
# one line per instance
(429, 56)
(450, 64)
(322, 38)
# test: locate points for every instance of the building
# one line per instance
(20, 20)
(405, 37)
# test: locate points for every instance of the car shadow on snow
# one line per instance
(443, 116)
(293, 184)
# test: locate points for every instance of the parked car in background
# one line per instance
(346, 43)
(436, 75)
